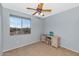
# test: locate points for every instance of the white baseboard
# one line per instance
(21, 45)
(70, 49)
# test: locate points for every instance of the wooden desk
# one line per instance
(51, 40)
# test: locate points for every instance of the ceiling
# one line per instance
(56, 7)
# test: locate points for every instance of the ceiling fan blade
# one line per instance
(47, 10)
(31, 8)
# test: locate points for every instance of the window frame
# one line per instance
(22, 18)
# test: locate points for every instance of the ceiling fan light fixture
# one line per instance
(39, 10)
(36, 14)
(42, 14)
(39, 14)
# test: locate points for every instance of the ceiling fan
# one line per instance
(39, 10)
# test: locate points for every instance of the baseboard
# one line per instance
(70, 49)
(21, 46)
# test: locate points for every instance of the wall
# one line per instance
(65, 24)
(0, 29)
(12, 42)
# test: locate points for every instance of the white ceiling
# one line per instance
(56, 7)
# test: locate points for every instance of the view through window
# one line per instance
(19, 25)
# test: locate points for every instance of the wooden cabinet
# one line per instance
(55, 41)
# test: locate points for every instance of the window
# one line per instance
(19, 25)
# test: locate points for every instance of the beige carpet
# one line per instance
(40, 49)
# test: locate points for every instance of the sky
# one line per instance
(19, 22)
